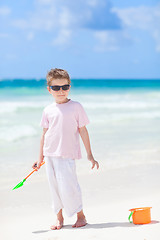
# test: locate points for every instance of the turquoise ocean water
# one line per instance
(124, 116)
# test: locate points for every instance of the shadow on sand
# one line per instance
(100, 225)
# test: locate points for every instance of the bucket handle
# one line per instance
(129, 218)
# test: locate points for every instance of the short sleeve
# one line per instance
(44, 121)
(82, 116)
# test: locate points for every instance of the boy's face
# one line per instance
(61, 95)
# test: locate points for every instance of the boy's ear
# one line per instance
(48, 88)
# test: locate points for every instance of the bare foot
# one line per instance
(81, 222)
(58, 225)
(59, 222)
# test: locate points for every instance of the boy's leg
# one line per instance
(59, 222)
(69, 189)
(56, 201)
(81, 220)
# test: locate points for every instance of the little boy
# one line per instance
(63, 121)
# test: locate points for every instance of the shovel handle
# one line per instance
(129, 218)
(34, 170)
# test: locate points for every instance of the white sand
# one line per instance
(26, 214)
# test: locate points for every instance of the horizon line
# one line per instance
(40, 79)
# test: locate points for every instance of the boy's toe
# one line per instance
(54, 227)
(59, 227)
(74, 225)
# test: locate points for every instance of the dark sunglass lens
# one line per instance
(55, 88)
(65, 87)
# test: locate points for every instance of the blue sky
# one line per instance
(89, 38)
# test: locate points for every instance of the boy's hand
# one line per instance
(36, 164)
(93, 161)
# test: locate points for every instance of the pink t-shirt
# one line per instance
(63, 121)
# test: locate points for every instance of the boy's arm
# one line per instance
(85, 138)
(41, 150)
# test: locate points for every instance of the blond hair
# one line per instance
(57, 73)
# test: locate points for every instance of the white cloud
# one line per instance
(40, 20)
(106, 41)
(20, 23)
(11, 56)
(66, 16)
(92, 3)
(156, 36)
(133, 17)
(4, 35)
(144, 18)
(63, 37)
(44, 2)
(30, 36)
(91, 14)
(5, 11)
(111, 40)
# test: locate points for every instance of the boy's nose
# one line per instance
(60, 90)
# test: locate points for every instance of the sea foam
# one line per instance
(16, 132)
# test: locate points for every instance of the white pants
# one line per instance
(63, 183)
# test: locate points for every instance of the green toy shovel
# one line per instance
(21, 183)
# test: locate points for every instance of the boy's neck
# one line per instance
(64, 101)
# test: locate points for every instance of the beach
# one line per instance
(107, 197)
(125, 137)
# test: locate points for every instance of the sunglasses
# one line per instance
(57, 88)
